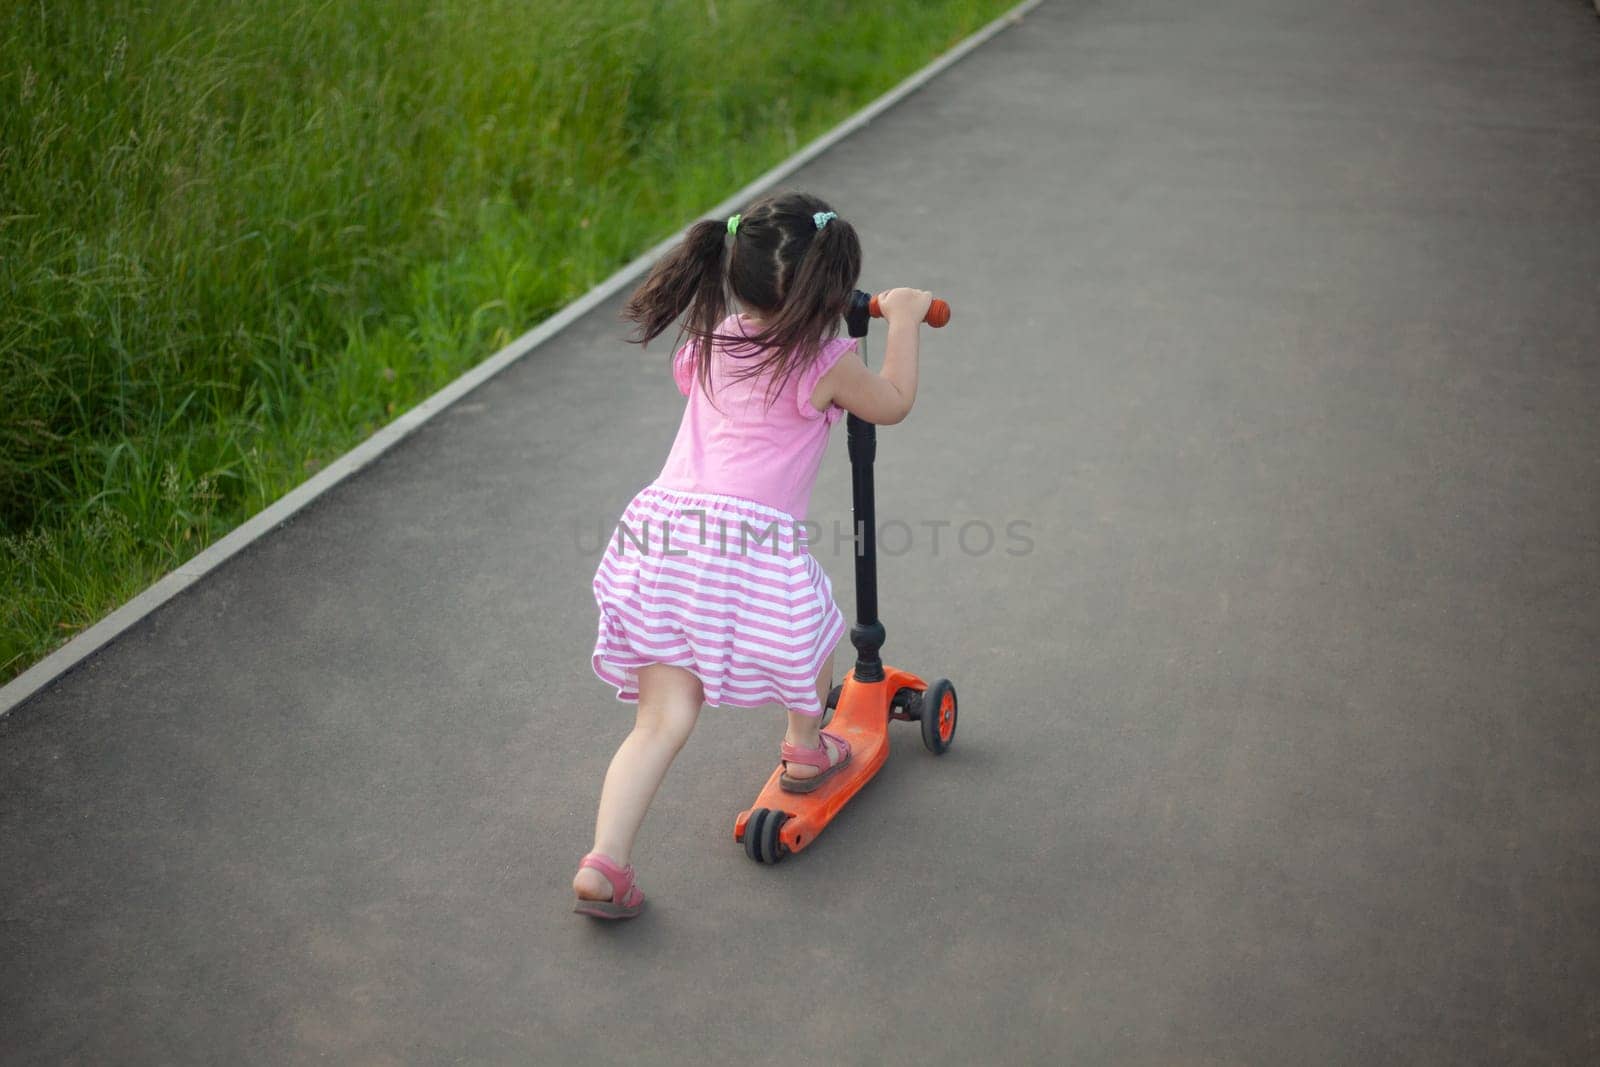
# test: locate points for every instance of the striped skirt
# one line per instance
(721, 586)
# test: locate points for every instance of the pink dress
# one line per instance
(708, 568)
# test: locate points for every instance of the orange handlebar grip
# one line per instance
(938, 312)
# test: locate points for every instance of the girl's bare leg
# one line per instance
(805, 730)
(669, 704)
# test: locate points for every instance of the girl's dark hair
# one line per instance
(796, 277)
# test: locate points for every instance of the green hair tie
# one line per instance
(733, 225)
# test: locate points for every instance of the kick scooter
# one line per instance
(871, 694)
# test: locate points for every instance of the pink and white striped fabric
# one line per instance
(721, 586)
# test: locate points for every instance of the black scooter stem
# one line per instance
(867, 634)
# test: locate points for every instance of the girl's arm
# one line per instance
(883, 398)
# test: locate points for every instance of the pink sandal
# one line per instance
(627, 900)
(813, 757)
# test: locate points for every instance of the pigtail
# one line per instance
(690, 277)
(819, 291)
(815, 259)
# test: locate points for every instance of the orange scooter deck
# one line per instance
(861, 717)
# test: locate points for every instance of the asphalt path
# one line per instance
(1263, 459)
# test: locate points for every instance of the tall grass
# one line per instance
(236, 238)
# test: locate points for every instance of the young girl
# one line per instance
(707, 594)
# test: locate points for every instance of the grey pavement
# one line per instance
(1277, 326)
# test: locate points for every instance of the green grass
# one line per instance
(236, 238)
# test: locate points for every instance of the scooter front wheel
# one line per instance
(938, 715)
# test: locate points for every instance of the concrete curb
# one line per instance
(59, 663)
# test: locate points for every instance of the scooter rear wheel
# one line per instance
(761, 841)
(938, 715)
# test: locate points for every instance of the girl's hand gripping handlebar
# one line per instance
(938, 312)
